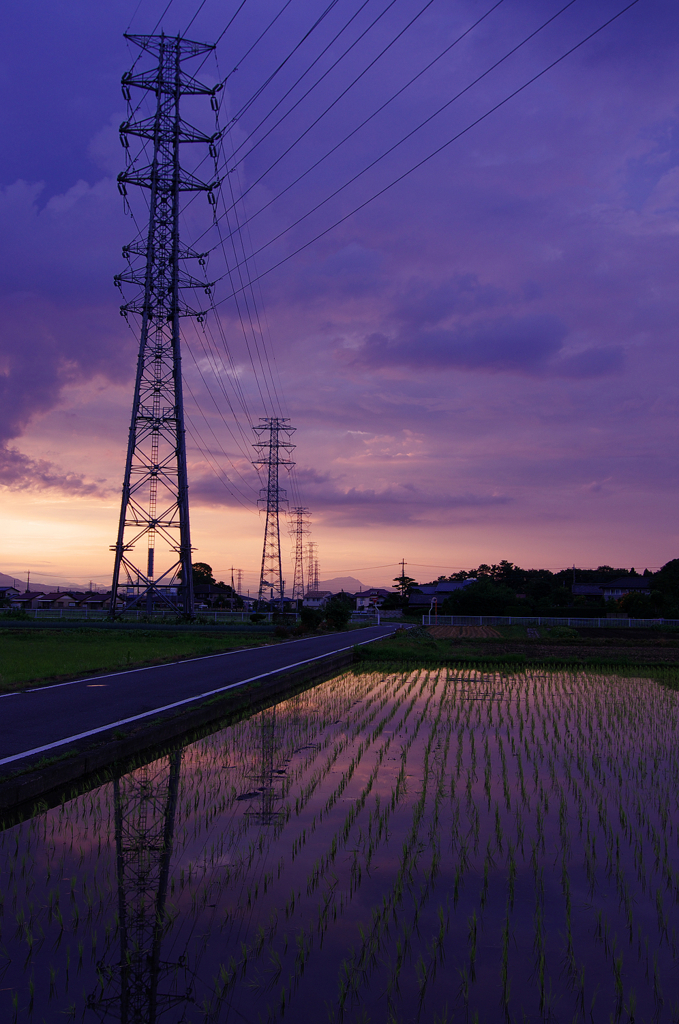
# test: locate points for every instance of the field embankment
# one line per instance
(514, 646)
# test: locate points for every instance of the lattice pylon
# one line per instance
(312, 566)
(299, 529)
(155, 500)
(273, 444)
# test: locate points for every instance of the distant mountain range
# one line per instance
(349, 584)
(37, 584)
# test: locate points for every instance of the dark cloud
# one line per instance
(333, 502)
(351, 271)
(518, 345)
(18, 472)
(45, 346)
(420, 304)
(530, 345)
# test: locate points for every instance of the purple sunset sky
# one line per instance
(481, 363)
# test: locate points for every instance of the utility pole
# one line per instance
(272, 454)
(155, 499)
(299, 529)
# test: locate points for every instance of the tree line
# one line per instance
(507, 589)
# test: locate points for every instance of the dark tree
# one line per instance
(404, 584)
(338, 611)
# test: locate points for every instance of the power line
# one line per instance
(414, 130)
(366, 120)
(224, 453)
(243, 108)
(424, 160)
(261, 35)
(317, 83)
(230, 21)
(200, 8)
(280, 67)
(304, 73)
(201, 446)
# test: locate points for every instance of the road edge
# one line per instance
(31, 786)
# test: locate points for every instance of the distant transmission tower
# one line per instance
(299, 529)
(312, 571)
(155, 501)
(272, 452)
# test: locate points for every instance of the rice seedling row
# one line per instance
(426, 845)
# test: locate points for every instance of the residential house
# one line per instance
(317, 598)
(615, 589)
(96, 602)
(60, 599)
(208, 595)
(367, 600)
(29, 599)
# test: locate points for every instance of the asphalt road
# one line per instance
(44, 719)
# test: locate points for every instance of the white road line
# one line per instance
(169, 707)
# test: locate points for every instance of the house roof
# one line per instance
(448, 586)
(426, 592)
(316, 594)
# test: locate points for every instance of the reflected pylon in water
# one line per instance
(139, 986)
(267, 774)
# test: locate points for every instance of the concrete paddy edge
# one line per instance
(43, 785)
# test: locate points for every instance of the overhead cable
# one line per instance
(368, 118)
(424, 160)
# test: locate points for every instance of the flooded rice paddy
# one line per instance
(434, 846)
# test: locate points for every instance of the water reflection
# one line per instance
(268, 774)
(139, 985)
(433, 845)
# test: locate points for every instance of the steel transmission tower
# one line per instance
(299, 529)
(312, 571)
(272, 454)
(155, 502)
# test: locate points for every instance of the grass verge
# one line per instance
(38, 657)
